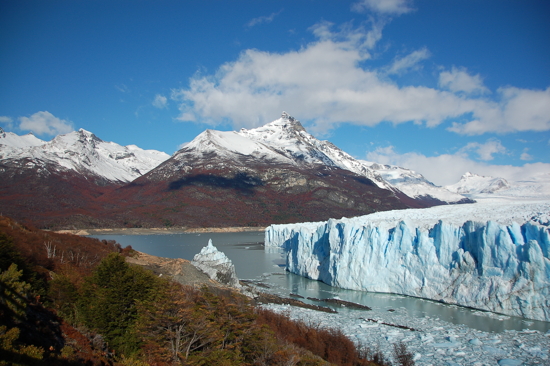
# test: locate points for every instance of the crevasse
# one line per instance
(503, 268)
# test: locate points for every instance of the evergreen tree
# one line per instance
(109, 299)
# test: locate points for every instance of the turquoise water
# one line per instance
(253, 262)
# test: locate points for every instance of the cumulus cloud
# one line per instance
(447, 169)
(263, 19)
(525, 155)
(160, 101)
(8, 121)
(459, 80)
(45, 123)
(484, 151)
(389, 7)
(516, 110)
(327, 82)
(408, 62)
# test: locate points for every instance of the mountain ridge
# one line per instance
(277, 173)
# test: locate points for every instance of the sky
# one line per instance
(438, 86)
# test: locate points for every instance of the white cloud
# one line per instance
(8, 121)
(122, 88)
(484, 151)
(390, 7)
(448, 168)
(408, 62)
(517, 110)
(326, 82)
(45, 123)
(160, 101)
(525, 155)
(263, 19)
(458, 80)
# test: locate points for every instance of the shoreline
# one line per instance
(160, 230)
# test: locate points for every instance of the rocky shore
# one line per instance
(160, 230)
(186, 273)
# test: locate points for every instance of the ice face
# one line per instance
(216, 265)
(495, 266)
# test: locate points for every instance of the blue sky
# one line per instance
(441, 87)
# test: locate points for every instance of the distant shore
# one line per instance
(160, 230)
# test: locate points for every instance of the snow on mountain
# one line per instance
(285, 141)
(493, 255)
(232, 146)
(414, 184)
(10, 139)
(83, 152)
(471, 183)
(287, 137)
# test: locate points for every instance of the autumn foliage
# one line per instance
(68, 300)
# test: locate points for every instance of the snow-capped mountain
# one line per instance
(287, 137)
(12, 140)
(414, 184)
(271, 174)
(79, 151)
(285, 141)
(471, 184)
(277, 173)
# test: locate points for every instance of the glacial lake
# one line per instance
(254, 262)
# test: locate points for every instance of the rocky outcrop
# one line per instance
(178, 269)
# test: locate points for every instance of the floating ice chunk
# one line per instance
(495, 351)
(447, 345)
(476, 342)
(509, 362)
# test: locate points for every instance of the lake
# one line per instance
(253, 262)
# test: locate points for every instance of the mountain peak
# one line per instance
(287, 116)
(88, 135)
(286, 123)
(470, 175)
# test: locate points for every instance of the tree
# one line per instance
(109, 301)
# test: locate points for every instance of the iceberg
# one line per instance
(501, 264)
(216, 265)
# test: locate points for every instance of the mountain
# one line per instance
(12, 140)
(277, 173)
(272, 174)
(82, 152)
(471, 184)
(60, 182)
(414, 185)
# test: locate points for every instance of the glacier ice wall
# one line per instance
(503, 268)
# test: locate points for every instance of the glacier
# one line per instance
(490, 257)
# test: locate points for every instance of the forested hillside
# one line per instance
(70, 300)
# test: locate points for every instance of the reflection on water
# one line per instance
(251, 261)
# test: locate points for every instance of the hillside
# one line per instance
(69, 300)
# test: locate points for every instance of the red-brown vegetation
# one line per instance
(330, 344)
(104, 311)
